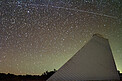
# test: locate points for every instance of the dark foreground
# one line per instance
(43, 77)
(12, 77)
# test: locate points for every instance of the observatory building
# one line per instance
(93, 62)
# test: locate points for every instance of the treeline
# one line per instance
(43, 77)
(12, 77)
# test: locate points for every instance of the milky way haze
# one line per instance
(41, 35)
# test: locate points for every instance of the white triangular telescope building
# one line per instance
(94, 61)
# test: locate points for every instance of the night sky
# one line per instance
(41, 35)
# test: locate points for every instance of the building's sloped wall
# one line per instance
(93, 62)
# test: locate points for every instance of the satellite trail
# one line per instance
(71, 9)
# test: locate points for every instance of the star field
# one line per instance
(41, 35)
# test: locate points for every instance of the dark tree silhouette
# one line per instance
(12, 77)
